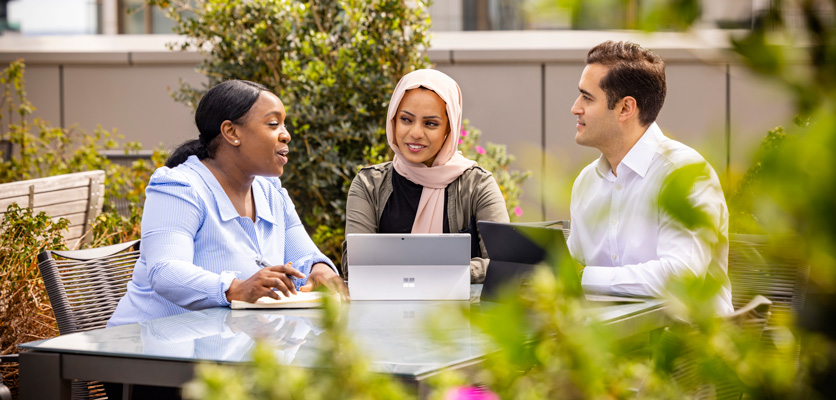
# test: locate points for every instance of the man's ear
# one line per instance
(627, 108)
(229, 133)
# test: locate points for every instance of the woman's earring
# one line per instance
(236, 141)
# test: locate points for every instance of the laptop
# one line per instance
(514, 250)
(389, 266)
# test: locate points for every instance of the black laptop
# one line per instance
(514, 250)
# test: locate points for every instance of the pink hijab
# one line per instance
(449, 164)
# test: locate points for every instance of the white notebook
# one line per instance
(299, 300)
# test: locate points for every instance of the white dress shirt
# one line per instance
(631, 246)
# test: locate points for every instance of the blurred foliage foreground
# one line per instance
(32, 148)
(536, 348)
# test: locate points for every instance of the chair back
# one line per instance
(775, 270)
(84, 286)
(562, 224)
(78, 197)
(770, 269)
(752, 318)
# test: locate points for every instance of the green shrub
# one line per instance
(333, 63)
(495, 158)
(25, 312)
(742, 202)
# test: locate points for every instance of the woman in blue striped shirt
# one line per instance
(217, 225)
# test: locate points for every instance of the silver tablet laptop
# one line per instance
(385, 266)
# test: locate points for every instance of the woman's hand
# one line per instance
(322, 274)
(263, 282)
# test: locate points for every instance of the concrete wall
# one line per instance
(120, 83)
(517, 87)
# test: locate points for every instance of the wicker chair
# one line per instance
(773, 269)
(752, 317)
(84, 287)
(770, 269)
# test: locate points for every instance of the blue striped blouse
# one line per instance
(194, 243)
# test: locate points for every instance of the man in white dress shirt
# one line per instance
(627, 243)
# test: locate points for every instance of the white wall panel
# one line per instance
(757, 106)
(695, 110)
(504, 101)
(564, 157)
(135, 100)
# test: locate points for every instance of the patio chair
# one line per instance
(771, 269)
(768, 280)
(78, 197)
(752, 318)
(84, 287)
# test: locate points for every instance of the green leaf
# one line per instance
(675, 197)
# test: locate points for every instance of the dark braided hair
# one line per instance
(228, 100)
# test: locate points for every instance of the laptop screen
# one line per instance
(514, 249)
(408, 249)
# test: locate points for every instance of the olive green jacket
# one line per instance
(473, 194)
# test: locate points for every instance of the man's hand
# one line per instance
(323, 275)
(263, 282)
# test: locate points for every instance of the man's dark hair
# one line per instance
(634, 71)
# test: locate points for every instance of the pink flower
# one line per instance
(470, 393)
(480, 150)
(464, 132)
(461, 140)
(518, 211)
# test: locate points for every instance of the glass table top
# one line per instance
(392, 334)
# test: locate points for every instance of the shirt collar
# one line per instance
(639, 157)
(603, 167)
(225, 208)
(262, 206)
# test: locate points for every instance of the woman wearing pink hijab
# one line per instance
(429, 186)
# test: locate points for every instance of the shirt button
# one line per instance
(618, 187)
(614, 222)
(614, 256)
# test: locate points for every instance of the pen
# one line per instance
(261, 262)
